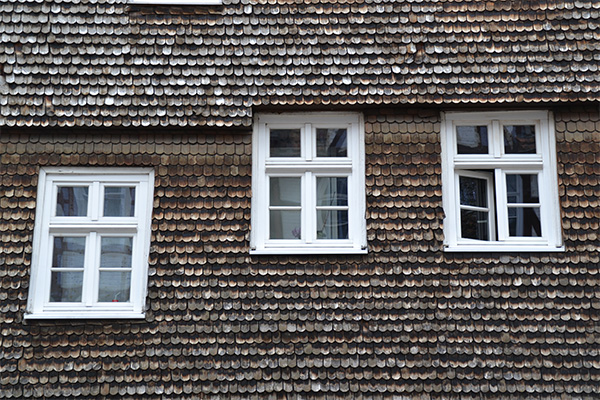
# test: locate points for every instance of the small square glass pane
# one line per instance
(284, 224)
(66, 286)
(72, 201)
(473, 191)
(332, 191)
(519, 139)
(524, 221)
(114, 286)
(474, 224)
(115, 252)
(284, 143)
(68, 252)
(472, 139)
(119, 201)
(332, 224)
(332, 142)
(285, 191)
(522, 188)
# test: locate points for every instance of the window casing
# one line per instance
(500, 189)
(91, 243)
(308, 184)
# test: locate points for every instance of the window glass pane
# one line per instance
(474, 224)
(284, 224)
(115, 252)
(68, 252)
(332, 224)
(66, 286)
(472, 139)
(285, 143)
(331, 142)
(332, 191)
(119, 201)
(72, 201)
(114, 286)
(522, 188)
(473, 191)
(519, 139)
(285, 191)
(524, 221)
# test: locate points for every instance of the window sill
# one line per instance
(502, 248)
(84, 315)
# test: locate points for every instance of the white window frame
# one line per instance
(542, 163)
(93, 226)
(308, 166)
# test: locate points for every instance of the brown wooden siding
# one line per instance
(405, 320)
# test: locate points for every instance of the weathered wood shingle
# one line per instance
(106, 63)
(404, 321)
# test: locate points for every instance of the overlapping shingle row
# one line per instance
(404, 321)
(107, 63)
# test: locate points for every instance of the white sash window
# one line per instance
(500, 189)
(91, 243)
(308, 193)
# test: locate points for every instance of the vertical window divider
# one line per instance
(501, 203)
(91, 271)
(95, 201)
(308, 143)
(496, 136)
(308, 213)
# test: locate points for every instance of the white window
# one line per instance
(500, 189)
(308, 193)
(91, 243)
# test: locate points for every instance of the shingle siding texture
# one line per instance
(405, 321)
(106, 63)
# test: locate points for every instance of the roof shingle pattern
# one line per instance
(107, 63)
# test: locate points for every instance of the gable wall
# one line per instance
(405, 320)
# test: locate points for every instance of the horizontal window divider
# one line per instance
(524, 205)
(308, 165)
(112, 228)
(474, 208)
(328, 249)
(334, 208)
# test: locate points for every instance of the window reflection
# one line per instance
(332, 208)
(472, 139)
(284, 143)
(331, 142)
(519, 139)
(72, 201)
(119, 201)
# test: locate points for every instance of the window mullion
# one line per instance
(497, 141)
(308, 142)
(94, 201)
(501, 204)
(308, 207)
(90, 269)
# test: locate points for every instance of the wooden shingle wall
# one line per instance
(405, 321)
(110, 63)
